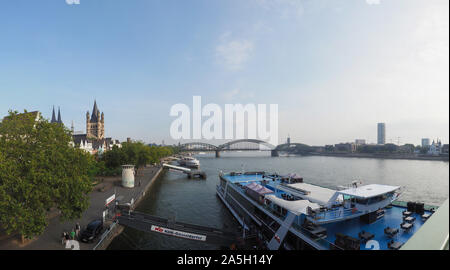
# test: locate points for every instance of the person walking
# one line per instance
(72, 235)
(67, 236)
(77, 230)
(63, 241)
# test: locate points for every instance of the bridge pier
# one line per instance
(217, 154)
(274, 153)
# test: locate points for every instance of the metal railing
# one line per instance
(105, 234)
(335, 214)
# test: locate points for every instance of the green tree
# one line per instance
(114, 158)
(135, 153)
(39, 170)
(409, 148)
(424, 149)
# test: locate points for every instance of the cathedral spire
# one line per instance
(59, 116)
(53, 115)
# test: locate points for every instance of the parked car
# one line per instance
(93, 229)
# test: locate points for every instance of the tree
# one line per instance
(39, 170)
(389, 147)
(114, 158)
(424, 149)
(135, 153)
(409, 148)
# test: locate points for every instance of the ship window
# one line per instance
(375, 199)
(362, 201)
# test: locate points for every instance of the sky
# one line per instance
(335, 68)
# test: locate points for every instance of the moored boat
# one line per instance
(189, 162)
(287, 213)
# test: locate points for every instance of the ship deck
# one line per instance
(392, 218)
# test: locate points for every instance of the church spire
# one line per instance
(95, 111)
(53, 115)
(59, 116)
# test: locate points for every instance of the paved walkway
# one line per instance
(51, 238)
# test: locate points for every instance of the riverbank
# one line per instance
(117, 229)
(50, 239)
(382, 156)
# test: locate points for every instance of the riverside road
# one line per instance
(51, 237)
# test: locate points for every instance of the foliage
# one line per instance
(39, 170)
(386, 148)
(134, 153)
(424, 149)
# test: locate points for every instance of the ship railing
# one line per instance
(265, 206)
(274, 212)
(335, 214)
(321, 240)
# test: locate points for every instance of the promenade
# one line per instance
(51, 237)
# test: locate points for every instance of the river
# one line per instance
(195, 201)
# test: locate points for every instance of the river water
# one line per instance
(195, 201)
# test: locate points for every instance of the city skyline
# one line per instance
(392, 140)
(336, 77)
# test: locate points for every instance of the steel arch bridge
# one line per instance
(198, 146)
(237, 145)
(245, 144)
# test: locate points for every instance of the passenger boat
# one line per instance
(189, 162)
(286, 213)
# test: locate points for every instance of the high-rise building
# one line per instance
(425, 142)
(381, 138)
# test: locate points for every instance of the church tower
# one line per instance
(95, 124)
(54, 120)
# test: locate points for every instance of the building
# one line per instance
(318, 149)
(425, 142)
(444, 149)
(360, 142)
(94, 146)
(95, 124)
(54, 119)
(345, 147)
(381, 138)
(94, 141)
(435, 148)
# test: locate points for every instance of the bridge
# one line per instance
(237, 145)
(245, 145)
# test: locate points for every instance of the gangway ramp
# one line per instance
(177, 168)
(190, 173)
(172, 228)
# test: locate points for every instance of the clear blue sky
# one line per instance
(335, 68)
